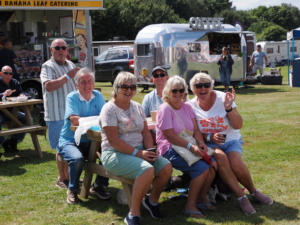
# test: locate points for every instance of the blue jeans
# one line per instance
(75, 156)
(225, 77)
(54, 129)
(21, 117)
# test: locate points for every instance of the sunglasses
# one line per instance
(125, 87)
(57, 48)
(174, 91)
(159, 75)
(200, 85)
(7, 73)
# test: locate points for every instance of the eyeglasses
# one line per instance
(57, 48)
(7, 73)
(159, 75)
(125, 87)
(200, 85)
(174, 91)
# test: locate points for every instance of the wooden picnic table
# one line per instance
(16, 127)
(91, 167)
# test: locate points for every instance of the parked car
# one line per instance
(112, 61)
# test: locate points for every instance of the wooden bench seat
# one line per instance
(19, 130)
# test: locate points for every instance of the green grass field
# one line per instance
(271, 114)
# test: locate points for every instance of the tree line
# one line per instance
(128, 17)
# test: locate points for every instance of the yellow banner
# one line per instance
(50, 4)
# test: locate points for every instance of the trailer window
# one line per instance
(295, 49)
(143, 50)
(269, 50)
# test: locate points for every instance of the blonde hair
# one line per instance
(201, 77)
(121, 79)
(178, 82)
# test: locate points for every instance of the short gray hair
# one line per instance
(201, 77)
(84, 71)
(121, 79)
(178, 82)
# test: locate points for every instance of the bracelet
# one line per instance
(229, 110)
(208, 138)
(134, 152)
(188, 146)
(67, 76)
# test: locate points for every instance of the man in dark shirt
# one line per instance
(9, 58)
(10, 87)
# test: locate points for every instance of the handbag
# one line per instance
(185, 153)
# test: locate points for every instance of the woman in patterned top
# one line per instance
(125, 138)
(217, 116)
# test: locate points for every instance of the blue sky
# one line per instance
(246, 5)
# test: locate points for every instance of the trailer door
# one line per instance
(144, 59)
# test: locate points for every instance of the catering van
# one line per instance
(190, 48)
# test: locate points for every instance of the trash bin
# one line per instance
(295, 74)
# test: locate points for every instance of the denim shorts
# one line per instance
(230, 146)
(195, 170)
(54, 129)
(129, 166)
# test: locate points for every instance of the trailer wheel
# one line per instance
(33, 89)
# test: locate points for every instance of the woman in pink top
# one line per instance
(168, 125)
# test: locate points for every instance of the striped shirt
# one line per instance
(55, 101)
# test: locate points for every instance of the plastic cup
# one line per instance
(153, 115)
(152, 150)
(224, 136)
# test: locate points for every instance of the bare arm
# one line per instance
(176, 140)
(74, 119)
(236, 121)
(251, 61)
(53, 85)
(121, 146)
(147, 138)
(266, 59)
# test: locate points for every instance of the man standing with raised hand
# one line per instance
(57, 82)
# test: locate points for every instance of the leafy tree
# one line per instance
(189, 8)
(230, 15)
(273, 33)
(127, 17)
(216, 6)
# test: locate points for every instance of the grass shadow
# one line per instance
(18, 160)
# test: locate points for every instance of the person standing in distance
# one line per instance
(257, 60)
(57, 82)
(9, 58)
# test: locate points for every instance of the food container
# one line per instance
(22, 99)
(11, 99)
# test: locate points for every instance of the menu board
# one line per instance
(31, 61)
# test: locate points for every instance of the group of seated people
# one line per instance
(10, 87)
(126, 138)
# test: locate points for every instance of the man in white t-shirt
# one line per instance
(257, 60)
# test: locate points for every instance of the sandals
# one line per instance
(189, 213)
(202, 205)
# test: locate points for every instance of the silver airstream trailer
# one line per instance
(190, 48)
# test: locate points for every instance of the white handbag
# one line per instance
(185, 153)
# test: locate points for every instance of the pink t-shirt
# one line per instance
(166, 119)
